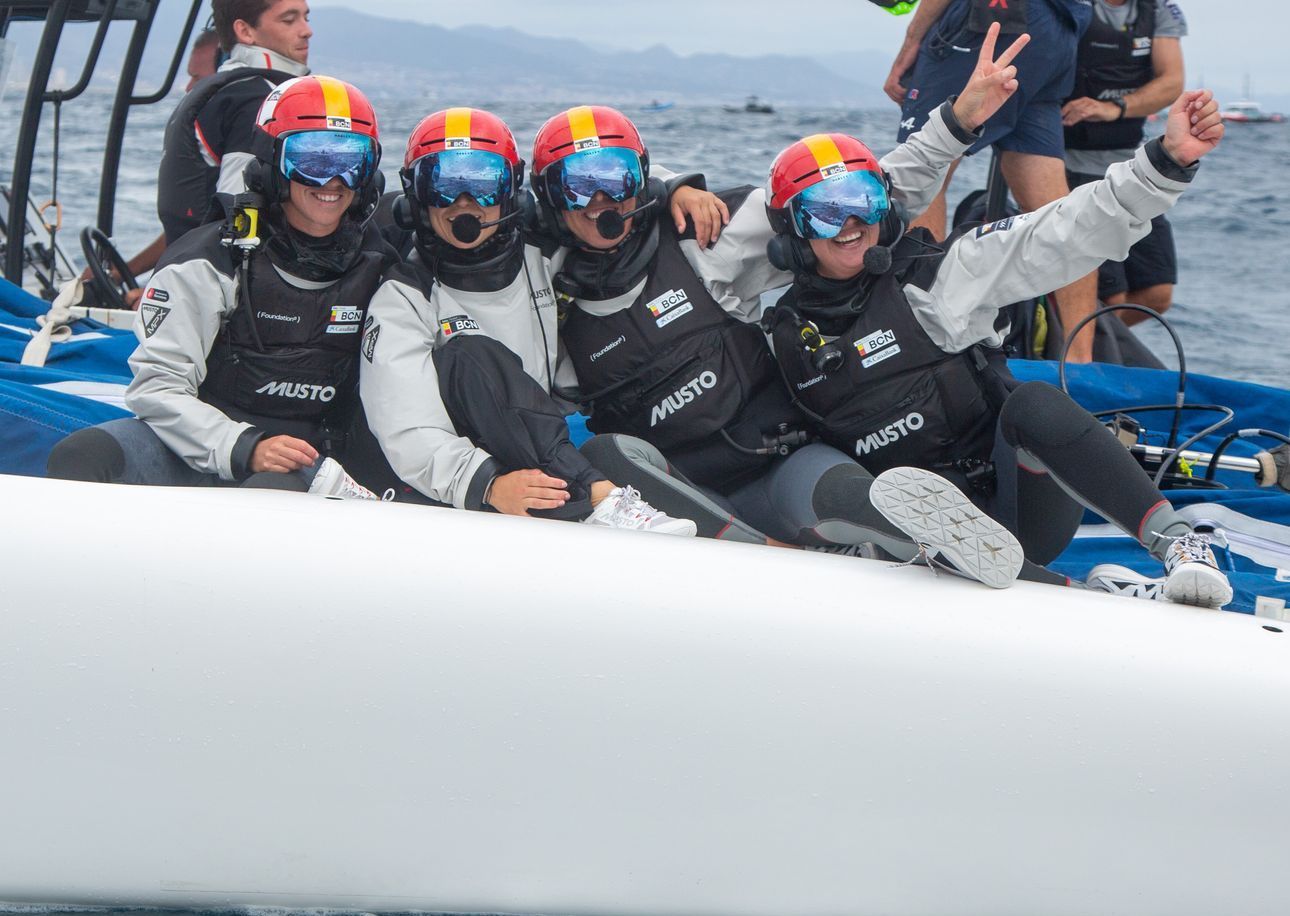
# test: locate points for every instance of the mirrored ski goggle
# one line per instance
(440, 178)
(820, 211)
(315, 157)
(575, 179)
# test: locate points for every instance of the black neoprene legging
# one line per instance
(1053, 459)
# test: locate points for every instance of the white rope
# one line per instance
(55, 325)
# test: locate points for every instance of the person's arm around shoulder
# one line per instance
(1024, 256)
(177, 325)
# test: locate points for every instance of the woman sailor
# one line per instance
(889, 343)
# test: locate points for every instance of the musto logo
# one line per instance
(299, 390)
(682, 396)
(892, 432)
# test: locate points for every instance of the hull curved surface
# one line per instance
(214, 697)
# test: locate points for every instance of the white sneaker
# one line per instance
(939, 517)
(1192, 575)
(1120, 580)
(332, 481)
(624, 508)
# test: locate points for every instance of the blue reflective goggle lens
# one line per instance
(821, 210)
(315, 157)
(440, 178)
(614, 170)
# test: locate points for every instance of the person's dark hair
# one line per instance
(205, 39)
(227, 12)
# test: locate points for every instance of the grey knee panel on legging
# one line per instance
(629, 461)
(819, 496)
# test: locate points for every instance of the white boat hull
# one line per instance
(214, 698)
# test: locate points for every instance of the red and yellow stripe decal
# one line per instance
(582, 128)
(335, 102)
(826, 153)
(456, 126)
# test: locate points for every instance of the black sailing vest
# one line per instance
(1110, 65)
(185, 182)
(1010, 14)
(897, 399)
(674, 367)
(287, 361)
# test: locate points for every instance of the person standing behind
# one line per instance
(202, 62)
(208, 138)
(939, 53)
(1130, 64)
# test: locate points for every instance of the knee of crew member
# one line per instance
(605, 448)
(1037, 414)
(473, 353)
(87, 454)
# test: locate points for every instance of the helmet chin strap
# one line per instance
(610, 223)
(467, 227)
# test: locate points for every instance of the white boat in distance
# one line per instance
(1247, 112)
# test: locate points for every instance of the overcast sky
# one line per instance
(1227, 40)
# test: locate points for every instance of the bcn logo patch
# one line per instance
(875, 341)
(837, 168)
(670, 306)
(339, 124)
(456, 143)
(452, 325)
(589, 143)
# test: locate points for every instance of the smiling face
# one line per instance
(441, 220)
(842, 257)
(283, 28)
(317, 211)
(582, 223)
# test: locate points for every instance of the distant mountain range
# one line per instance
(485, 64)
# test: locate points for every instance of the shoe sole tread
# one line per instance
(934, 512)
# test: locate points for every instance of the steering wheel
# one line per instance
(103, 258)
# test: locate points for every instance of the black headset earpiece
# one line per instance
(893, 224)
(788, 252)
(404, 213)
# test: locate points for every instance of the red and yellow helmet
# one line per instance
(317, 103)
(462, 128)
(819, 181)
(583, 131)
(313, 129)
(462, 151)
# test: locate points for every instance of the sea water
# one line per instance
(1232, 227)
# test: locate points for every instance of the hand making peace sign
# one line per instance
(992, 82)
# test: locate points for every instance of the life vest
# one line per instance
(186, 180)
(287, 359)
(896, 398)
(1110, 65)
(1010, 14)
(674, 367)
